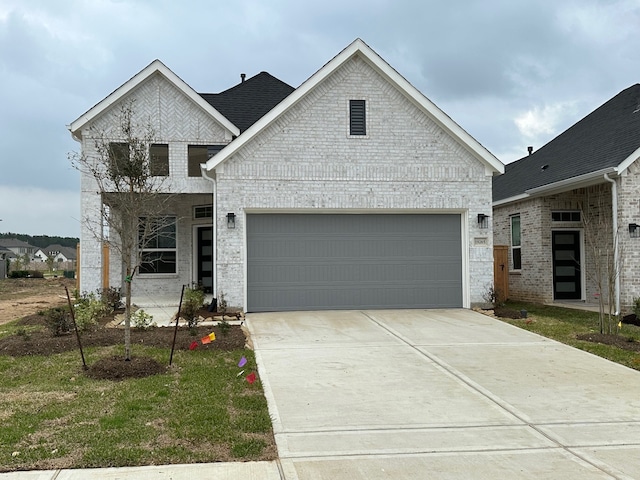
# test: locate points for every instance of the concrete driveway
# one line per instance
(446, 394)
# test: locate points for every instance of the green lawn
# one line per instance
(564, 324)
(53, 416)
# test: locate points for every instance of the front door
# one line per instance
(205, 258)
(567, 275)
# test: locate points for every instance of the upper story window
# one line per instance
(357, 117)
(119, 156)
(567, 216)
(203, 211)
(516, 241)
(199, 154)
(159, 160)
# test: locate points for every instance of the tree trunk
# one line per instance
(127, 317)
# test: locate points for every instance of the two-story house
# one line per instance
(351, 191)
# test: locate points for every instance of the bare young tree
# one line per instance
(604, 253)
(132, 198)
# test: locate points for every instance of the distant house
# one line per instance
(57, 252)
(351, 191)
(18, 247)
(567, 207)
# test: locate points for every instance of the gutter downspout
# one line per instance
(616, 253)
(214, 203)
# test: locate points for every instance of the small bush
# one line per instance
(88, 310)
(142, 320)
(58, 321)
(111, 297)
(36, 274)
(636, 307)
(19, 274)
(192, 302)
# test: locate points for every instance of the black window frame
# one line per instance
(158, 244)
(198, 154)
(159, 160)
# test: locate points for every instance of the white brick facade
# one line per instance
(534, 283)
(178, 122)
(306, 161)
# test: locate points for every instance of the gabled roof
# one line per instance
(248, 101)
(605, 141)
(155, 67)
(13, 243)
(68, 252)
(358, 47)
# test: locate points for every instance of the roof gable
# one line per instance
(606, 140)
(358, 47)
(154, 67)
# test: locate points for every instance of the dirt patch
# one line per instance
(619, 341)
(25, 296)
(114, 368)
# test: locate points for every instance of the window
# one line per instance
(571, 216)
(516, 254)
(357, 117)
(157, 241)
(203, 211)
(200, 154)
(119, 158)
(159, 160)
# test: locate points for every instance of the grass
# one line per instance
(53, 416)
(564, 324)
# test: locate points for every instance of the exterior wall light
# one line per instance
(231, 220)
(483, 220)
(634, 230)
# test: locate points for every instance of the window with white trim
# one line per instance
(157, 242)
(516, 243)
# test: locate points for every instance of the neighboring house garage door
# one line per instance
(324, 262)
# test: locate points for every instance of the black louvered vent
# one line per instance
(357, 118)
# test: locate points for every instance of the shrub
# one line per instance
(58, 321)
(19, 274)
(636, 307)
(36, 274)
(142, 320)
(192, 302)
(111, 297)
(88, 310)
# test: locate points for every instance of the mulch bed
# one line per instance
(615, 340)
(115, 368)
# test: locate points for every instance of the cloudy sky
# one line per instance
(512, 73)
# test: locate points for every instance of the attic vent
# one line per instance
(357, 117)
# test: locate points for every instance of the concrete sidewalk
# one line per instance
(217, 471)
(441, 394)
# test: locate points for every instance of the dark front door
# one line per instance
(567, 276)
(205, 258)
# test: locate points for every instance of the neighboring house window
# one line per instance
(159, 160)
(119, 157)
(203, 211)
(357, 117)
(200, 154)
(157, 240)
(570, 216)
(516, 254)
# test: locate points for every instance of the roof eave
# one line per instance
(373, 59)
(581, 181)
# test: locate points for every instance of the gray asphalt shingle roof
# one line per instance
(602, 139)
(250, 100)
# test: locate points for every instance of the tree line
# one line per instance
(42, 241)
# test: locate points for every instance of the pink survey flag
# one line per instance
(205, 339)
(193, 345)
(242, 362)
(251, 377)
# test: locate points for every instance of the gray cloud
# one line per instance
(511, 73)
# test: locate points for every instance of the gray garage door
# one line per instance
(325, 262)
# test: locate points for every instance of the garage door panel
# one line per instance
(302, 262)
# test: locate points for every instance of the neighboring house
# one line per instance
(351, 191)
(58, 253)
(566, 208)
(18, 247)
